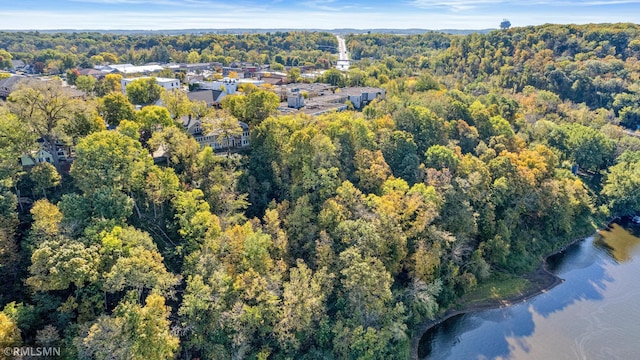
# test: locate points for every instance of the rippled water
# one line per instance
(594, 314)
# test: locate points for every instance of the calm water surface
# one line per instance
(594, 314)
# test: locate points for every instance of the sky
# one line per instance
(306, 14)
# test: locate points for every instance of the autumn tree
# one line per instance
(44, 106)
(109, 159)
(115, 107)
(177, 102)
(132, 332)
(225, 125)
(45, 176)
(144, 91)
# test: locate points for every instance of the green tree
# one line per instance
(5, 60)
(589, 148)
(177, 102)
(293, 74)
(44, 107)
(622, 186)
(45, 176)
(83, 123)
(151, 119)
(440, 157)
(56, 264)
(193, 57)
(367, 286)
(179, 148)
(16, 140)
(109, 159)
(260, 105)
(115, 107)
(225, 125)
(304, 306)
(109, 84)
(333, 77)
(132, 332)
(144, 91)
(86, 83)
(72, 76)
(372, 170)
(129, 261)
(427, 82)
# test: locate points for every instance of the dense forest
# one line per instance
(332, 237)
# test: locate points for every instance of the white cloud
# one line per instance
(461, 5)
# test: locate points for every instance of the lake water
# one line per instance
(594, 314)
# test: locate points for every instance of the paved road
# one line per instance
(343, 56)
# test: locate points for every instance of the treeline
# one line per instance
(58, 52)
(333, 237)
(592, 64)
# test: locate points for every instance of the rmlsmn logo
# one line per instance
(31, 351)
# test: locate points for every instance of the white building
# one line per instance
(295, 100)
(229, 85)
(167, 83)
(361, 96)
(132, 69)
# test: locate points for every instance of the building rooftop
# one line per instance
(317, 108)
(208, 96)
(158, 79)
(311, 88)
(11, 81)
(132, 69)
(359, 90)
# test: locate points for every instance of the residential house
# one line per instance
(97, 74)
(18, 65)
(211, 97)
(36, 157)
(212, 139)
(8, 85)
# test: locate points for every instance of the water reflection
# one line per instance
(619, 242)
(593, 314)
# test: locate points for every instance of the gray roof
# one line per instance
(358, 90)
(17, 64)
(8, 84)
(208, 96)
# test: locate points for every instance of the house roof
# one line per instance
(272, 81)
(209, 96)
(10, 82)
(17, 64)
(92, 72)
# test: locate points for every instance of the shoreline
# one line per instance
(542, 280)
